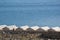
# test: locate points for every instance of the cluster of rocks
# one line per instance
(32, 32)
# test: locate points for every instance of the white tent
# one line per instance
(56, 29)
(45, 28)
(11, 27)
(2, 26)
(35, 27)
(25, 27)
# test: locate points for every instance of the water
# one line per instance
(29, 6)
(30, 12)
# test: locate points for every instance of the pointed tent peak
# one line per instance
(56, 28)
(19, 29)
(29, 29)
(5, 28)
(35, 27)
(25, 27)
(11, 27)
(51, 30)
(40, 29)
(45, 28)
(2, 26)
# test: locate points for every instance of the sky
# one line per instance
(30, 12)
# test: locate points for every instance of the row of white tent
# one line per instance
(11, 27)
